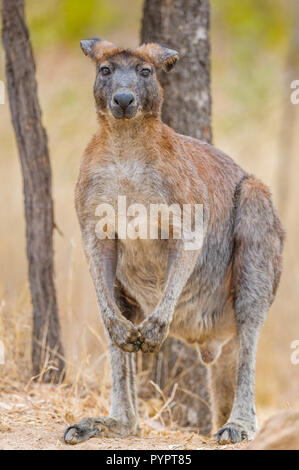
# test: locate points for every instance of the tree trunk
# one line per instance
(184, 26)
(47, 350)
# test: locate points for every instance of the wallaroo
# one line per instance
(217, 296)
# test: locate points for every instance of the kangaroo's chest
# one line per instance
(123, 194)
(140, 182)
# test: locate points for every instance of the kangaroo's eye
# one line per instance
(105, 71)
(145, 72)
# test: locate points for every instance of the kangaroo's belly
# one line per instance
(204, 309)
(141, 268)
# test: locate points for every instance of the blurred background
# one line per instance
(253, 64)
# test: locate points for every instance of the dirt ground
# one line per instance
(36, 417)
(49, 438)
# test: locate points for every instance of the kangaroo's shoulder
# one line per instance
(200, 151)
(219, 172)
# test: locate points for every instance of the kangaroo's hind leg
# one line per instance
(132, 311)
(256, 271)
(222, 383)
(123, 418)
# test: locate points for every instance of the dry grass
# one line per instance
(65, 84)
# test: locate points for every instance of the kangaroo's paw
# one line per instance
(153, 333)
(91, 427)
(234, 432)
(125, 335)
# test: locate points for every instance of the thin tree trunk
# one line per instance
(184, 26)
(47, 350)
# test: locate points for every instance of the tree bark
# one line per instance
(47, 350)
(183, 25)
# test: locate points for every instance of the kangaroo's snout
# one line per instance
(123, 99)
(123, 104)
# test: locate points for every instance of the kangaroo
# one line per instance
(215, 296)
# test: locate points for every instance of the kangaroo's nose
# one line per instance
(123, 99)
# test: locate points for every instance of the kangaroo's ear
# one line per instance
(161, 56)
(96, 48)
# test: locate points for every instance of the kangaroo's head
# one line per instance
(126, 82)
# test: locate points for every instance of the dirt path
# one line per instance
(49, 437)
(35, 418)
(37, 439)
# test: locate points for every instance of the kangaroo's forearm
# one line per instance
(106, 305)
(102, 262)
(181, 264)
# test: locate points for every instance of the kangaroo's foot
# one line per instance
(234, 432)
(91, 427)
